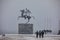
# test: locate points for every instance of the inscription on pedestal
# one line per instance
(25, 28)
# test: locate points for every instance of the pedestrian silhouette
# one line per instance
(40, 34)
(36, 34)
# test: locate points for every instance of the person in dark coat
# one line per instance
(36, 34)
(40, 34)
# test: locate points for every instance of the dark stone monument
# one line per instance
(25, 28)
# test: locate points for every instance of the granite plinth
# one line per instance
(25, 28)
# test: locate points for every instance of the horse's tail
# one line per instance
(33, 17)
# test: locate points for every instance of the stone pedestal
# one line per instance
(25, 28)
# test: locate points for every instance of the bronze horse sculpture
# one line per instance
(26, 14)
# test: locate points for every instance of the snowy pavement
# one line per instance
(29, 37)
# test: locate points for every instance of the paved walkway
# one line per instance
(29, 37)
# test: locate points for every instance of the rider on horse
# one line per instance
(25, 14)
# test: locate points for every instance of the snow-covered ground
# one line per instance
(28, 37)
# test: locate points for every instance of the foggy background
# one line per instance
(46, 13)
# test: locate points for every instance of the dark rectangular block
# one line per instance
(25, 29)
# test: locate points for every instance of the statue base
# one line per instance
(25, 28)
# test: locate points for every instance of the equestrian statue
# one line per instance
(26, 14)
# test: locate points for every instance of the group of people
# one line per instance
(39, 34)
